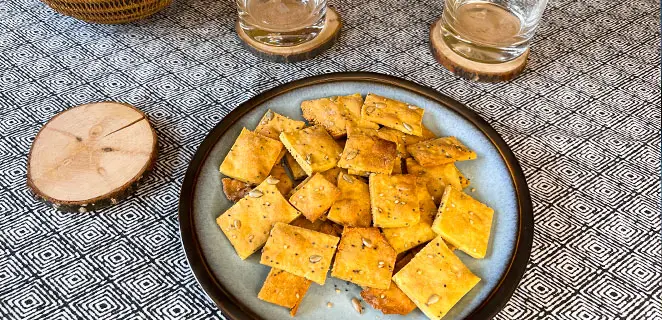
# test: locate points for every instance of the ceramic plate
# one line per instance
(233, 284)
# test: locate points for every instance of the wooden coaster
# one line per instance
(91, 156)
(324, 40)
(469, 69)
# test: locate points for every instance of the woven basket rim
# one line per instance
(115, 11)
(112, 2)
(112, 10)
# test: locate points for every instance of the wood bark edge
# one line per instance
(102, 201)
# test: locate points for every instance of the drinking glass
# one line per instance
(490, 31)
(282, 23)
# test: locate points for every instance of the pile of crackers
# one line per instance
(370, 191)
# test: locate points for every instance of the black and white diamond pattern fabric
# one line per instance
(584, 120)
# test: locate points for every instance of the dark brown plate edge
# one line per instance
(234, 309)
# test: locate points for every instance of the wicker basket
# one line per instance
(108, 11)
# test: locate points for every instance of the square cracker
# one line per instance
(335, 113)
(439, 151)
(272, 124)
(435, 279)
(405, 238)
(261, 152)
(436, 178)
(388, 301)
(315, 197)
(248, 222)
(364, 257)
(313, 149)
(393, 200)
(284, 183)
(368, 154)
(299, 251)
(295, 169)
(393, 114)
(464, 222)
(352, 208)
(284, 289)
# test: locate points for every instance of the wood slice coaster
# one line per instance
(91, 156)
(308, 50)
(469, 69)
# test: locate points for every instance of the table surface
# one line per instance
(584, 120)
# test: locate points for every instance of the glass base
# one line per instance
(283, 38)
(480, 53)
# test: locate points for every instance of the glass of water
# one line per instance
(490, 31)
(282, 23)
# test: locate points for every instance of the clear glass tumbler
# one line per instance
(282, 23)
(490, 31)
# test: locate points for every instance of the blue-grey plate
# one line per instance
(233, 284)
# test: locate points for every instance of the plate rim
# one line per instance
(232, 308)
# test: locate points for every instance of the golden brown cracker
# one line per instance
(326, 113)
(261, 152)
(248, 222)
(464, 222)
(315, 197)
(295, 169)
(439, 151)
(313, 149)
(336, 113)
(352, 208)
(393, 114)
(368, 154)
(388, 301)
(405, 238)
(284, 289)
(285, 183)
(364, 257)
(272, 124)
(299, 251)
(393, 200)
(436, 178)
(435, 279)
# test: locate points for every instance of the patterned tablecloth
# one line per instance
(584, 120)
